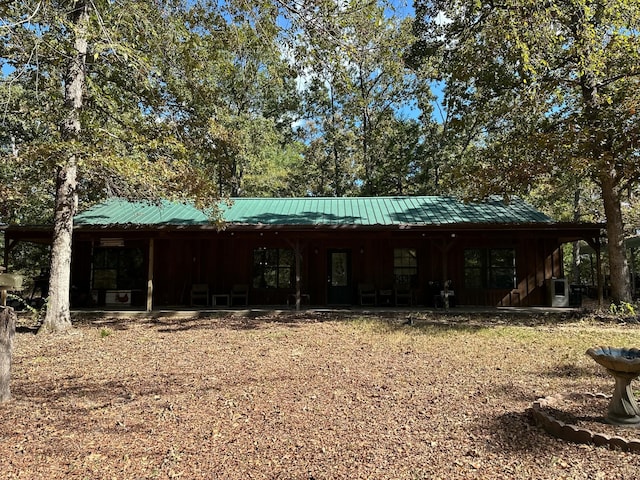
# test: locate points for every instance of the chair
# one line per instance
(200, 294)
(367, 294)
(240, 292)
(404, 296)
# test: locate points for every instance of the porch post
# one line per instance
(595, 244)
(445, 268)
(150, 277)
(298, 275)
(633, 271)
(446, 246)
(599, 274)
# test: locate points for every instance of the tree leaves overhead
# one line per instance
(540, 90)
(199, 99)
(358, 95)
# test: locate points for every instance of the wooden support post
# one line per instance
(600, 276)
(595, 244)
(150, 276)
(297, 252)
(634, 284)
(7, 332)
(446, 246)
(298, 274)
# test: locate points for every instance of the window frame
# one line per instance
(117, 268)
(488, 270)
(405, 266)
(273, 270)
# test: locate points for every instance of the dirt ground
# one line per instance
(304, 396)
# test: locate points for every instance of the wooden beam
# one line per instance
(150, 277)
(297, 252)
(298, 255)
(444, 249)
(595, 244)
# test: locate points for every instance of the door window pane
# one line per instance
(339, 269)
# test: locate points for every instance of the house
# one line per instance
(381, 251)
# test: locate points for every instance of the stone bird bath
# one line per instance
(624, 365)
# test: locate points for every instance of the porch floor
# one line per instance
(181, 312)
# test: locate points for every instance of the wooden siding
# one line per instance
(223, 259)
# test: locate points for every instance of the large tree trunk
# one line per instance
(7, 331)
(618, 266)
(600, 145)
(58, 316)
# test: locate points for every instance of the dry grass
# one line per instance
(304, 397)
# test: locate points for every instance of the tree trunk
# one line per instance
(600, 146)
(7, 331)
(58, 316)
(618, 266)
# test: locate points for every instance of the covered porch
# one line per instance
(308, 260)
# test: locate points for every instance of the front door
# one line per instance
(339, 281)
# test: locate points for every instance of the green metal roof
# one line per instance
(318, 211)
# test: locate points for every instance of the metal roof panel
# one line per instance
(313, 211)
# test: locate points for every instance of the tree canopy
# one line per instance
(541, 93)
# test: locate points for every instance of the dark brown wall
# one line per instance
(225, 258)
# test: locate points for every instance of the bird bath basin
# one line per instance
(624, 365)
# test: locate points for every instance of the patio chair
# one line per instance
(367, 294)
(240, 293)
(199, 294)
(403, 296)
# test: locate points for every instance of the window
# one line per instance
(118, 268)
(273, 268)
(490, 268)
(405, 266)
(474, 267)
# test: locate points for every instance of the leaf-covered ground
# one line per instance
(304, 396)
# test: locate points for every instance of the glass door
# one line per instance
(339, 279)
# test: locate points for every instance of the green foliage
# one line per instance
(623, 309)
(37, 313)
(540, 94)
(357, 89)
(175, 94)
(517, 81)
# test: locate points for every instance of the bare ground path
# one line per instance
(304, 396)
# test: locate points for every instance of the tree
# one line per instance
(231, 93)
(105, 131)
(357, 86)
(74, 82)
(539, 88)
(332, 144)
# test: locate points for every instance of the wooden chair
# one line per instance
(367, 294)
(403, 296)
(240, 293)
(200, 294)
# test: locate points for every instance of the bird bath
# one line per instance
(624, 365)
